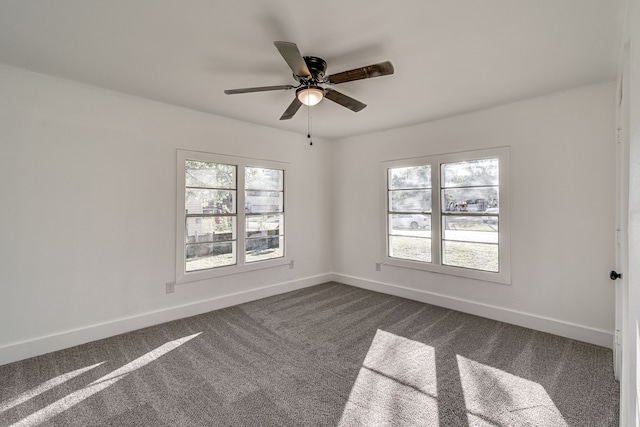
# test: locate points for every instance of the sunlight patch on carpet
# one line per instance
(45, 386)
(395, 385)
(78, 396)
(494, 396)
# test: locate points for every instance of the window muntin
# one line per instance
(468, 228)
(216, 236)
(264, 207)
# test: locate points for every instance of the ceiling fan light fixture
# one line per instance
(310, 95)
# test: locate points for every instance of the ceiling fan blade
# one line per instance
(291, 54)
(292, 109)
(370, 71)
(258, 89)
(344, 100)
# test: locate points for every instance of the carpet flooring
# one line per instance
(329, 355)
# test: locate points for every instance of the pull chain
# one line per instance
(309, 125)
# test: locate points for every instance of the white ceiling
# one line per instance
(450, 56)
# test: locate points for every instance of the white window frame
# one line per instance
(504, 230)
(241, 163)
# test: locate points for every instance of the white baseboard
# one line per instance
(553, 326)
(42, 345)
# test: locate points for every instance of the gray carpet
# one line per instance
(329, 355)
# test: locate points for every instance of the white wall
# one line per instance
(88, 191)
(562, 205)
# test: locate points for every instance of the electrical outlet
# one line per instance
(291, 265)
(171, 287)
(378, 264)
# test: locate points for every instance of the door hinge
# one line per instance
(617, 237)
(618, 138)
(616, 337)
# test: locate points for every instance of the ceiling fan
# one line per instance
(309, 71)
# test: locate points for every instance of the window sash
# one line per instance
(267, 240)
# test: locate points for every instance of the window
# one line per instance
(409, 193)
(211, 215)
(264, 207)
(470, 214)
(450, 214)
(214, 236)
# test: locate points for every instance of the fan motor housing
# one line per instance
(317, 67)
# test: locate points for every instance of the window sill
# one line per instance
(197, 276)
(503, 277)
